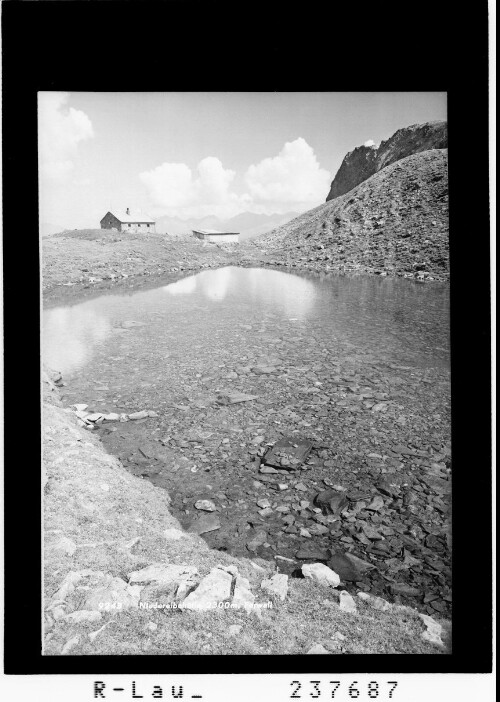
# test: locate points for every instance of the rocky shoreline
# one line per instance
(78, 268)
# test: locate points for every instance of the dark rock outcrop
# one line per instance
(364, 161)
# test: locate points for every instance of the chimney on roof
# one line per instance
(128, 210)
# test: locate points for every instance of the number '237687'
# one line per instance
(369, 691)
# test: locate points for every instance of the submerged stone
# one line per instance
(331, 502)
(207, 505)
(288, 452)
(205, 523)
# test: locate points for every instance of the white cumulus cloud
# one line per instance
(60, 130)
(294, 177)
(170, 185)
(292, 180)
(174, 187)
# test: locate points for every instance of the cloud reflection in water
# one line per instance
(295, 295)
(69, 336)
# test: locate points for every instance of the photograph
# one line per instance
(249, 378)
(246, 375)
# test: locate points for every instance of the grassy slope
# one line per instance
(102, 521)
(396, 221)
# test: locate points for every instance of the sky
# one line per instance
(189, 155)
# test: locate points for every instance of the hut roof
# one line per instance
(133, 217)
(212, 231)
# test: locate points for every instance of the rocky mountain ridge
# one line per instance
(393, 223)
(364, 161)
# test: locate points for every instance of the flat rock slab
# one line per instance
(349, 567)
(214, 588)
(232, 398)
(311, 551)
(205, 523)
(268, 469)
(162, 574)
(143, 414)
(263, 370)
(405, 590)
(288, 453)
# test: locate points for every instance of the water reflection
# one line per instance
(215, 284)
(390, 317)
(182, 287)
(70, 334)
(293, 294)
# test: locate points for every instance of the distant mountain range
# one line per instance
(247, 224)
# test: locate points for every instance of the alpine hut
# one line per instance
(128, 221)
